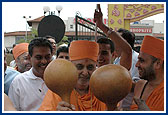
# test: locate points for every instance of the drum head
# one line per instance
(53, 26)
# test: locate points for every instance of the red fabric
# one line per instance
(81, 103)
(20, 49)
(50, 101)
(156, 100)
(153, 46)
(82, 49)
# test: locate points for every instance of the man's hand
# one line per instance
(141, 105)
(98, 17)
(64, 106)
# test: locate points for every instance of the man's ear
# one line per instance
(16, 60)
(29, 57)
(159, 64)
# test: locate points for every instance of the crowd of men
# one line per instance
(25, 89)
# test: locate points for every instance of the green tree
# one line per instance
(63, 41)
(29, 37)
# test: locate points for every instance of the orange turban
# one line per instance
(82, 49)
(20, 49)
(153, 46)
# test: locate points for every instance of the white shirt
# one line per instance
(53, 57)
(27, 91)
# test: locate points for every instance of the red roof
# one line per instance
(158, 35)
(35, 20)
(22, 33)
(17, 33)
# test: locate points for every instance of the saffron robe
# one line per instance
(87, 102)
(155, 101)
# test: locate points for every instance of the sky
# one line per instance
(13, 12)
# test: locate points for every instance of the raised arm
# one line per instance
(126, 55)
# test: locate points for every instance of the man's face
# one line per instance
(23, 62)
(53, 45)
(85, 68)
(145, 67)
(63, 55)
(104, 56)
(41, 57)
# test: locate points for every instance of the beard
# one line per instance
(149, 73)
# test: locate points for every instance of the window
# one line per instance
(71, 26)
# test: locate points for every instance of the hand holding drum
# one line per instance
(110, 84)
(61, 76)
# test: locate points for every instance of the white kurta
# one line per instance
(27, 91)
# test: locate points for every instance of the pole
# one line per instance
(59, 13)
(26, 30)
(96, 25)
(26, 34)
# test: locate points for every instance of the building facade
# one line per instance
(140, 28)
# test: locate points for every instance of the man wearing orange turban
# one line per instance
(20, 53)
(83, 54)
(151, 69)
